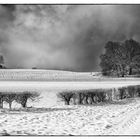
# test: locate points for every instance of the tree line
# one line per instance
(19, 97)
(94, 96)
(121, 58)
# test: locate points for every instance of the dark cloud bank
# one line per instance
(68, 37)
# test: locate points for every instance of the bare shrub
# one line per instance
(138, 90)
(131, 91)
(23, 97)
(91, 95)
(9, 97)
(74, 98)
(66, 96)
(81, 97)
(94, 96)
(87, 97)
(109, 94)
(122, 93)
(1, 99)
(101, 95)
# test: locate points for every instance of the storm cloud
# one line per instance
(68, 37)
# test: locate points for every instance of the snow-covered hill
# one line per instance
(103, 119)
(55, 75)
(49, 115)
(44, 75)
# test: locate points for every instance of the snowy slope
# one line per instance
(41, 75)
(55, 75)
(104, 119)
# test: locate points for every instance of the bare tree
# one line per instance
(138, 91)
(22, 98)
(122, 92)
(66, 96)
(81, 96)
(2, 62)
(132, 91)
(101, 95)
(1, 99)
(9, 98)
(91, 95)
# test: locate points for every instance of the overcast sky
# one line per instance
(68, 37)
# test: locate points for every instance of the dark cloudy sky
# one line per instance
(68, 37)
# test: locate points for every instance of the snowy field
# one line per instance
(49, 116)
(102, 119)
(48, 90)
(54, 75)
(45, 75)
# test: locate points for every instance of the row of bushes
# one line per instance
(74, 97)
(129, 92)
(19, 97)
(98, 95)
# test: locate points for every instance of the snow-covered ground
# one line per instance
(52, 117)
(49, 116)
(54, 75)
(46, 75)
(58, 86)
(101, 119)
(48, 90)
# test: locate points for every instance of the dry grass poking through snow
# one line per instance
(99, 119)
